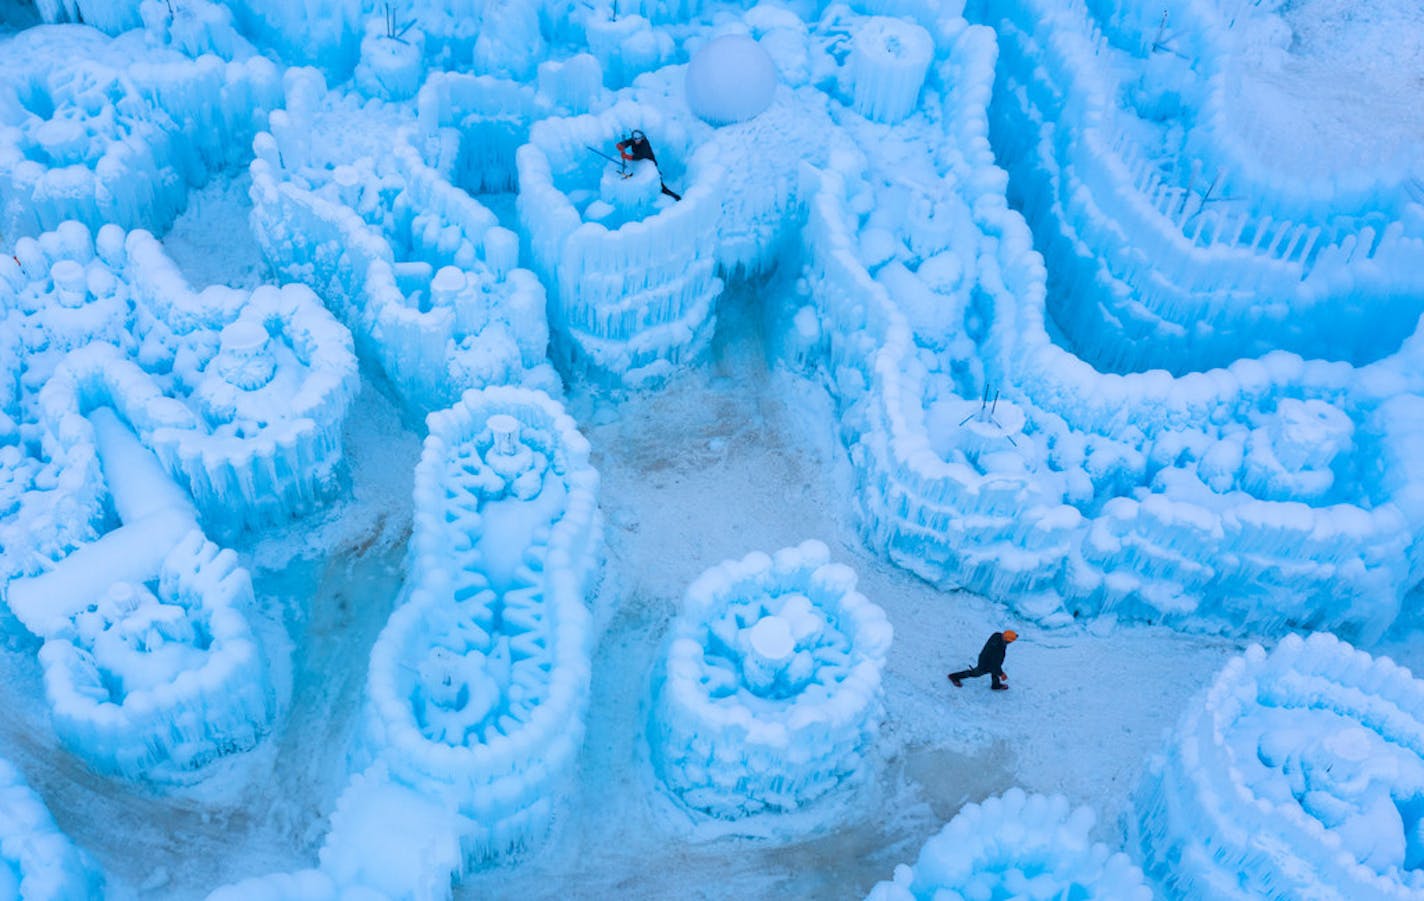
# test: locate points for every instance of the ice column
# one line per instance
(770, 694)
(37, 861)
(889, 59)
(1299, 773)
(1016, 845)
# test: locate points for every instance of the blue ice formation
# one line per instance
(241, 395)
(419, 270)
(1298, 773)
(1016, 845)
(116, 131)
(37, 861)
(631, 273)
(479, 683)
(1275, 491)
(770, 694)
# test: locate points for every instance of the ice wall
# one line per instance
(1219, 499)
(118, 130)
(1299, 773)
(631, 273)
(419, 270)
(479, 682)
(242, 395)
(37, 861)
(769, 697)
(1016, 846)
(1168, 243)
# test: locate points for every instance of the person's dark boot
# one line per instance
(956, 682)
(1000, 687)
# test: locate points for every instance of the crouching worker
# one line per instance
(637, 147)
(991, 661)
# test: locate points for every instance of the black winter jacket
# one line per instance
(991, 659)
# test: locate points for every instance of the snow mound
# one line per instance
(37, 861)
(1016, 845)
(1299, 773)
(730, 79)
(770, 694)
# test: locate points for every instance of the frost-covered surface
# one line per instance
(1299, 773)
(421, 272)
(770, 694)
(1016, 846)
(240, 394)
(37, 861)
(116, 131)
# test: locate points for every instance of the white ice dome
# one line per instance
(730, 79)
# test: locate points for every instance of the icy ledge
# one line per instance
(1016, 846)
(1299, 773)
(37, 861)
(771, 692)
(479, 683)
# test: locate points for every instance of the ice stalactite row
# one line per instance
(116, 131)
(1300, 772)
(1016, 845)
(631, 273)
(419, 270)
(37, 861)
(769, 698)
(994, 458)
(479, 683)
(241, 395)
(1224, 261)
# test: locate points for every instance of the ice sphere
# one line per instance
(1297, 773)
(770, 694)
(479, 683)
(730, 79)
(889, 59)
(1016, 845)
(632, 296)
(37, 861)
(117, 131)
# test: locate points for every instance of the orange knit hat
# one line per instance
(1010, 635)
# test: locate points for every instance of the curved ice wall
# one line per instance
(241, 395)
(993, 457)
(1016, 845)
(37, 861)
(118, 130)
(631, 273)
(419, 270)
(1299, 773)
(770, 694)
(479, 683)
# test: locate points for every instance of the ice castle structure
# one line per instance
(479, 683)
(242, 395)
(1016, 845)
(1276, 491)
(420, 271)
(769, 697)
(37, 861)
(1298, 773)
(631, 274)
(117, 130)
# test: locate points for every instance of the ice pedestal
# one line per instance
(1016, 845)
(632, 301)
(889, 59)
(1299, 773)
(37, 861)
(478, 685)
(770, 695)
(391, 68)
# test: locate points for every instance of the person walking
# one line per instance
(991, 661)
